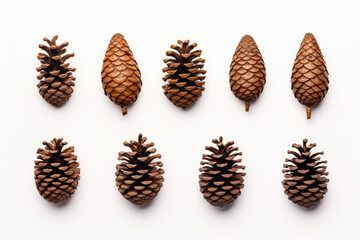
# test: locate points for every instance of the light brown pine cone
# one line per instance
(247, 71)
(56, 80)
(57, 172)
(309, 80)
(305, 180)
(220, 178)
(184, 74)
(138, 177)
(121, 78)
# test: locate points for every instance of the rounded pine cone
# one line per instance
(305, 180)
(57, 172)
(121, 77)
(247, 71)
(138, 177)
(56, 80)
(309, 79)
(184, 75)
(220, 178)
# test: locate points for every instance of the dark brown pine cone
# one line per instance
(305, 177)
(184, 75)
(138, 177)
(309, 80)
(247, 71)
(220, 178)
(56, 171)
(121, 78)
(56, 80)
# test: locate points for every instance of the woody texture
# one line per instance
(121, 78)
(305, 174)
(309, 79)
(57, 171)
(138, 177)
(247, 71)
(56, 80)
(184, 74)
(221, 178)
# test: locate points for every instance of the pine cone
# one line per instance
(184, 74)
(121, 78)
(247, 71)
(138, 178)
(220, 180)
(56, 80)
(56, 171)
(309, 80)
(305, 180)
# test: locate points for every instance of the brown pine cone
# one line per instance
(184, 75)
(309, 80)
(121, 78)
(138, 177)
(220, 180)
(305, 180)
(247, 71)
(56, 80)
(56, 172)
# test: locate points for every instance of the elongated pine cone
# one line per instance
(220, 178)
(138, 177)
(121, 77)
(305, 180)
(247, 71)
(184, 74)
(57, 172)
(309, 80)
(56, 80)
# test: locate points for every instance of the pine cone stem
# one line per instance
(247, 106)
(124, 109)
(308, 112)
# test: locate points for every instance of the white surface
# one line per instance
(95, 126)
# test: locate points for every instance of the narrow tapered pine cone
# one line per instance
(309, 79)
(57, 172)
(121, 77)
(56, 80)
(184, 74)
(247, 71)
(138, 177)
(305, 180)
(220, 178)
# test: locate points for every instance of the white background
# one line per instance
(97, 129)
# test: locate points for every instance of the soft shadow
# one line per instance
(62, 204)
